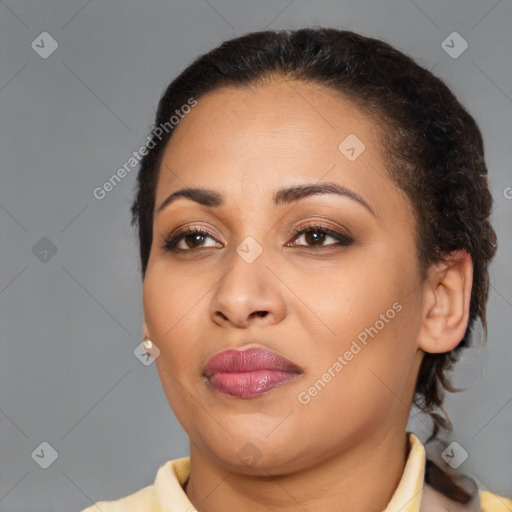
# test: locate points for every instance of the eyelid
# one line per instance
(319, 221)
(342, 238)
(314, 223)
(176, 236)
(183, 228)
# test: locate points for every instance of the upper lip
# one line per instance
(248, 360)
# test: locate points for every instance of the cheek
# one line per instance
(369, 387)
(373, 322)
(172, 304)
(170, 298)
(354, 298)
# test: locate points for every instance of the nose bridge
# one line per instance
(248, 273)
(247, 286)
(251, 232)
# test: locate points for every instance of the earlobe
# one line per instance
(447, 298)
(145, 332)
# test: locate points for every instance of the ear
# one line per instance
(446, 301)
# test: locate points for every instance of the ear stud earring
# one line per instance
(147, 343)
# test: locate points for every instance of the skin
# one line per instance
(346, 448)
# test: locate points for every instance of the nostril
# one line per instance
(259, 313)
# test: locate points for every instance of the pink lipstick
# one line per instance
(248, 373)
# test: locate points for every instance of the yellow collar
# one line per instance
(408, 494)
(411, 494)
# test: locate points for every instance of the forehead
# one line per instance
(291, 116)
(258, 139)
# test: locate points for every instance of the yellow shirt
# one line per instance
(412, 494)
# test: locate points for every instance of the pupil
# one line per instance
(196, 238)
(318, 238)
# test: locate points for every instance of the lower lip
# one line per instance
(249, 384)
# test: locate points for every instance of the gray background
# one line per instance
(71, 320)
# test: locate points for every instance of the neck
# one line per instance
(361, 479)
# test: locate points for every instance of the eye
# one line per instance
(191, 238)
(315, 234)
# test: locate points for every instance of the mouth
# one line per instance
(249, 373)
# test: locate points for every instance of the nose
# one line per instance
(246, 294)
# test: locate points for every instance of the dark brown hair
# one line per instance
(433, 149)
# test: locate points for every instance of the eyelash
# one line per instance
(343, 240)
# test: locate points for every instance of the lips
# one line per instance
(249, 373)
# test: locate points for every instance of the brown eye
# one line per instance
(192, 238)
(315, 236)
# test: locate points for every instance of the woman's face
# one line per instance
(344, 312)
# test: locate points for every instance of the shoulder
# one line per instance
(491, 502)
(164, 493)
(144, 499)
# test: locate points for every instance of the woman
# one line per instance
(313, 217)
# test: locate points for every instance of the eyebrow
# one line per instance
(282, 196)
